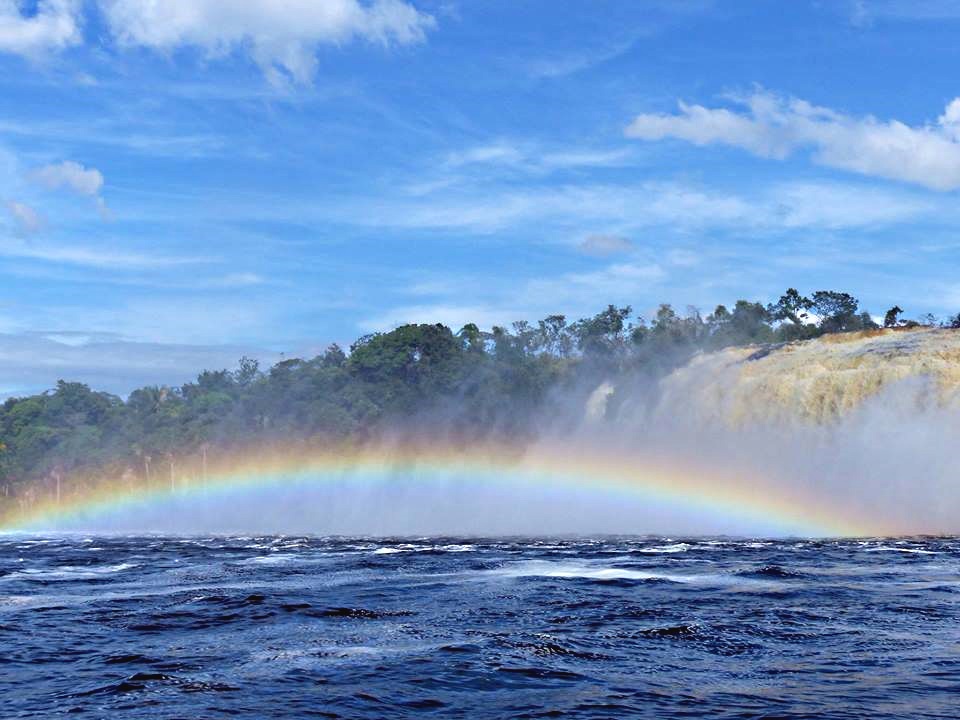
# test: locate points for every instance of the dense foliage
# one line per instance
(472, 383)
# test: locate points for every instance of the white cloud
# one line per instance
(71, 176)
(533, 158)
(240, 279)
(603, 245)
(629, 210)
(584, 158)
(54, 26)
(281, 35)
(27, 219)
(836, 206)
(775, 127)
(561, 66)
(569, 212)
(643, 205)
(76, 178)
(107, 259)
(499, 153)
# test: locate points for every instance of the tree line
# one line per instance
(475, 383)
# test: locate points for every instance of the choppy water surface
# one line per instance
(304, 627)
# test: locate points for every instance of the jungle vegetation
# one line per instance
(471, 382)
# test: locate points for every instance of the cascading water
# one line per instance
(819, 381)
(869, 420)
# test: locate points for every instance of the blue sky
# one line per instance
(185, 182)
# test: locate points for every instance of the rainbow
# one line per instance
(661, 483)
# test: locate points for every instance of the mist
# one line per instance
(866, 425)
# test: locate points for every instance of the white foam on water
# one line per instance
(914, 551)
(659, 549)
(393, 549)
(78, 572)
(545, 568)
(276, 559)
(457, 548)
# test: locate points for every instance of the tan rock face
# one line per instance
(818, 381)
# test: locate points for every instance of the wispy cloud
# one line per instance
(102, 258)
(774, 127)
(111, 132)
(238, 280)
(657, 15)
(603, 245)
(837, 206)
(532, 157)
(560, 66)
(27, 220)
(673, 205)
(574, 293)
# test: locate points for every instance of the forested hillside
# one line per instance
(471, 383)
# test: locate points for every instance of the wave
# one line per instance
(70, 572)
(549, 569)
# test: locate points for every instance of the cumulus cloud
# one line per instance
(281, 35)
(28, 220)
(773, 127)
(604, 245)
(54, 26)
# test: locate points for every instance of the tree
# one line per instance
(604, 335)
(334, 356)
(555, 336)
(471, 337)
(837, 311)
(417, 377)
(749, 322)
(413, 361)
(791, 306)
(891, 318)
(867, 322)
(247, 372)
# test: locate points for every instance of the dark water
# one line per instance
(301, 628)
